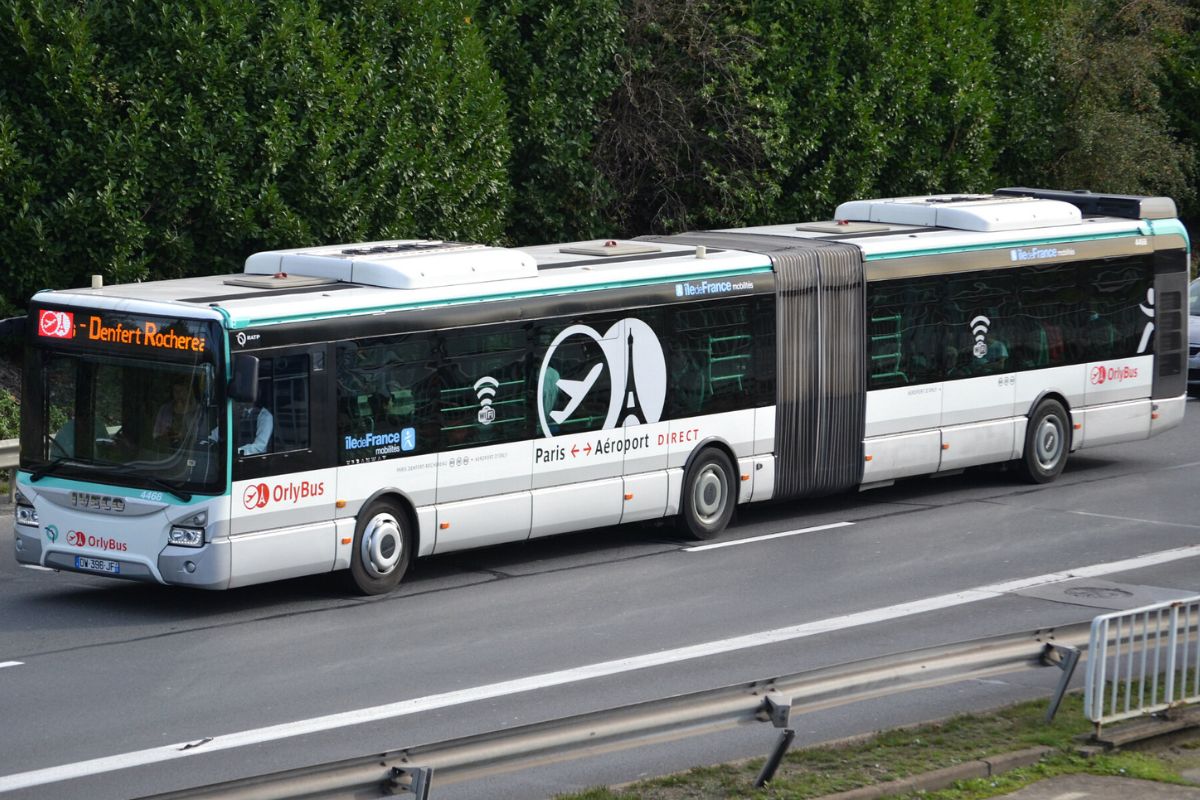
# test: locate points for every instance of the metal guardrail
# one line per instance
(1139, 661)
(10, 459)
(775, 700)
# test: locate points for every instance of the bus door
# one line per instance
(645, 438)
(577, 461)
(979, 395)
(484, 421)
(284, 476)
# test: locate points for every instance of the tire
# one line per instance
(382, 548)
(709, 495)
(1047, 443)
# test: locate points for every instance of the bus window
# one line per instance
(578, 357)
(483, 397)
(1050, 297)
(982, 324)
(1118, 303)
(386, 398)
(278, 421)
(711, 359)
(903, 334)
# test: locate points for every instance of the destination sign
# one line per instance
(125, 331)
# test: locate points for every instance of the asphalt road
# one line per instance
(103, 683)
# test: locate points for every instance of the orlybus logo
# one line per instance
(56, 324)
(77, 538)
(1113, 374)
(257, 495)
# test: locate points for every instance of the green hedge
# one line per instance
(147, 139)
(163, 138)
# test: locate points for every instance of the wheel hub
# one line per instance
(1049, 443)
(382, 545)
(710, 494)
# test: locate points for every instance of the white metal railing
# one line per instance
(1142, 661)
(10, 457)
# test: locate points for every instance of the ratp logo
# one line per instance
(52, 533)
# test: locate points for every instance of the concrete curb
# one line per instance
(943, 778)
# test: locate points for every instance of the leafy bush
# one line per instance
(10, 415)
(160, 138)
(1116, 135)
(557, 64)
(168, 138)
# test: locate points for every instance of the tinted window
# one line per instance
(278, 421)
(720, 358)
(904, 337)
(576, 380)
(482, 394)
(1119, 309)
(1052, 301)
(386, 398)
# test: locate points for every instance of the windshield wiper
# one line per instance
(157, 483)
(46, 469)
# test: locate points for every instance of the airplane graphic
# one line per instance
(576, 391)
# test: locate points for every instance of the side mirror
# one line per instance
(244, 385)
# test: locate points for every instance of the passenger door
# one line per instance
(979, 395)
(483, 472)
(283, 469)
(579, 368)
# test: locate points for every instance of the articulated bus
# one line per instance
(353, 407)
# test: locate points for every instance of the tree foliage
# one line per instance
(162, 138)
(556, 63)
(158, 139)
(1115, 134)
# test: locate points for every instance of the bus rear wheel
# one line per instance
(1047, 443)
(382, 548)
(708, 495)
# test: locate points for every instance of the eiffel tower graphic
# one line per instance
(633, 406)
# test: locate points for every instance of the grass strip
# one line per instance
(891, 755)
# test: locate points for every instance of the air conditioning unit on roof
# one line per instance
(399, 264)
(978, 212)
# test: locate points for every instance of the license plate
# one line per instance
(97, 565)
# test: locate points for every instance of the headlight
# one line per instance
(25, 513)
(186, 537)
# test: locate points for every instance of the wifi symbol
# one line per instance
(485, 390)
(979, 327)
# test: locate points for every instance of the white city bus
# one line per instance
(352, 407)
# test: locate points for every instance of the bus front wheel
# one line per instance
(382, 548)
(1047, 443)
(708, 495)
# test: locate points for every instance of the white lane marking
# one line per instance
(37, 568)
(1136, 519)
(700, 547)
(4, 664)
(402, 708)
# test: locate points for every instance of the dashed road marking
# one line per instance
(752, 539)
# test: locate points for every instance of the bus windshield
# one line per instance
(123, 419)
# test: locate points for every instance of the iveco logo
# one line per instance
(98, 502)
